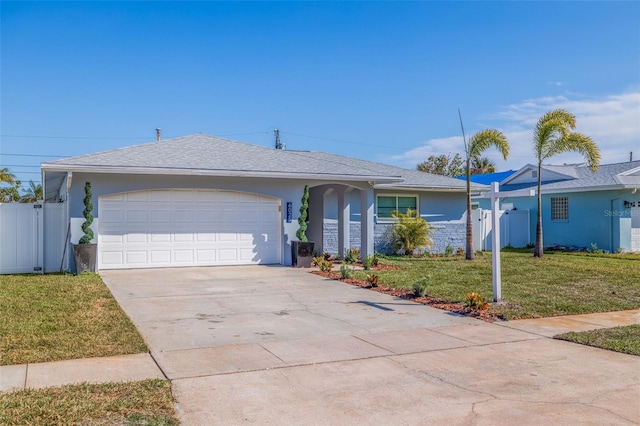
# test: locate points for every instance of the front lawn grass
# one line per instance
(59, 316)
(557, 284)
(625, 339)
(147, 402)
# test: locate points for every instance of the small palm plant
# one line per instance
(410, 232)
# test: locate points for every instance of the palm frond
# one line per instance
(552, 126)
(485, 139)
(577, 142)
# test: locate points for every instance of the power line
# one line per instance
(34, 155)
(17, 165)
(343, 141)
(71, 137)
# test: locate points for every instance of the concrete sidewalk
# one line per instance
(122, 368)
(299, 352)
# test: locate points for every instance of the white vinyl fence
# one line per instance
(514, 228)
(32, 237)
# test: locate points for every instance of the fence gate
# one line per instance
(21, 238)
(514, 228)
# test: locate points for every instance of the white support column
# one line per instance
(495, 242)
(367, 205)
(344, 221)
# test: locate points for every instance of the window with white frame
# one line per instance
(387, 204)
(559, 208)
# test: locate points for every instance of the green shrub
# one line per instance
(410, 233)
(448, 251)
(351, 255)
(475, 301)
(420, 287)
(372, 279)
(323, 264)
(345, 271)
(301, 233)
(88, 217)
(594, 249)
(367, 263)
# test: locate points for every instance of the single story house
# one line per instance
(579, 207)
(201, 200)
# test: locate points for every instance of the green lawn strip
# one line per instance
(625, 339)
(557, 284)
(146, 402)
(59, 316)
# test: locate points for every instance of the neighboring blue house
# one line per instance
(580, 208)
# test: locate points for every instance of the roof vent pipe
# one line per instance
(158, 134)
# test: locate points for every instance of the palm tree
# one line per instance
(7, 176)
(482, 165)
(33, 193)
(553, 135)
(478, 143)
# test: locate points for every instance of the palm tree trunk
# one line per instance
(538, 250)
(469, 254)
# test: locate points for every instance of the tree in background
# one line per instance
(11, 193)
(444, 165)
(33, 193)
(553, 135)
(482, 165)
(478, 143)
(7, 176)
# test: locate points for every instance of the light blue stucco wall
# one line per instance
(445, 211)
(595, 217)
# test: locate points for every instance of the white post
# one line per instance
(495, 242)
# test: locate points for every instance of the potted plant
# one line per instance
(85, 252)
(302, 250)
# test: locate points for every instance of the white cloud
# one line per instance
(613, 122)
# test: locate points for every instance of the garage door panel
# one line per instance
(133, 216)
(159, 238)
(187, 227)
(134, 237)
(159, 196)
(136, 257)
(137, 196)
(160, 216)
(161, 256)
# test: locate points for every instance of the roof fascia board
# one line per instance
(520, 171)
(232, 173)
(580, 189)
(630, 171)
(422, 188)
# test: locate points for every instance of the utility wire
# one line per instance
(34, 155)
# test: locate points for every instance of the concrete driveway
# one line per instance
(276, 345)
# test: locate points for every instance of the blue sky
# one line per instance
(381, 81)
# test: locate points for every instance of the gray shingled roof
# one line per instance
(202, 152)
(608, 176)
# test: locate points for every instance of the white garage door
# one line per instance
(165, 228)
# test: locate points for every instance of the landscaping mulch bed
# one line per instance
(484, 314)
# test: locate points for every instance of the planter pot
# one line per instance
(301, 254)
(85, 256)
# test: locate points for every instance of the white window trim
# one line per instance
(395, 194)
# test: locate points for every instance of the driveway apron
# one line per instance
(277, 345)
